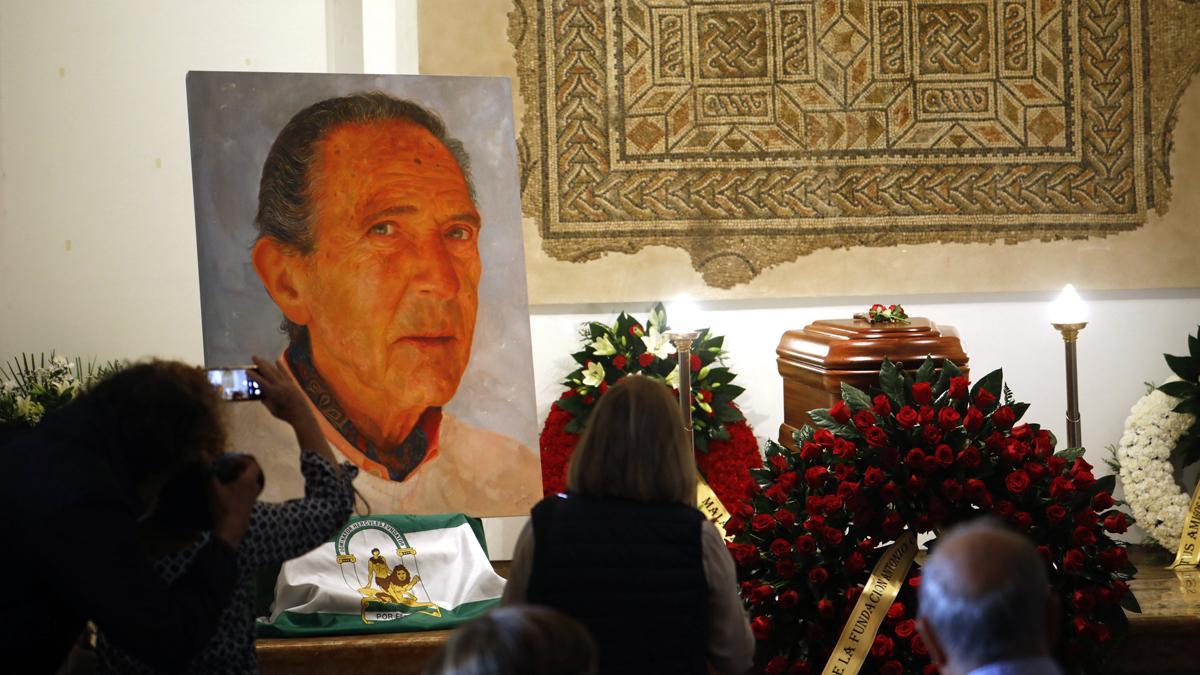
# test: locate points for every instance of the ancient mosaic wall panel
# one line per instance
(751, 133)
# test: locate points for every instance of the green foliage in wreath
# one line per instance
(1187, 390)
(629, 348)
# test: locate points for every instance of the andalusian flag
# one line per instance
(383, 574)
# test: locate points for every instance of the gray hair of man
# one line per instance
(284, 206)
(985, 595)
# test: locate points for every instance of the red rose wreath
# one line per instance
(725, 445)
(924, 454)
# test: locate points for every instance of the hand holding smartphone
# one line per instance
(235, 384)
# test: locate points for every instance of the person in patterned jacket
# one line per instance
(277, 532)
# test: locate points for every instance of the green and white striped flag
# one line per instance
(385, 574)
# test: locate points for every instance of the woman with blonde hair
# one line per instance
(627, 553)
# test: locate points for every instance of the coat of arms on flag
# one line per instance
(387, 574)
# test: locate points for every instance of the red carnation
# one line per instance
(840, 412)
(1023, 521)
(944, 455)
(844, 449)
(779, 461)
(881, 405)
(619, 361)
(1004, 417)
(1043, 443)
(645, 359)
(806, 545)
(818, 575)
(974, 420)
(915, 459)
(789, 599)
(882, 646)
(876, 437)
(922, 393)
(1116, 523)
(931, 434)
(969, 458)
(958, 387)
(780, 547)
(1017, 482)
(907, 417)
(1055, 513)
(762, 522)
(785, 517)
(948, 418)
(694, 363)
(1073, 560)
(864, 419)
(1061, 487)
(984, 398)
(761, 627)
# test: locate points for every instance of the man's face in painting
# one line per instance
(389, 293)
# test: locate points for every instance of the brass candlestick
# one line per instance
(1070, 336)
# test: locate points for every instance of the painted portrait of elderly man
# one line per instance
(370, 236)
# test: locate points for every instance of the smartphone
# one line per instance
(234, 384)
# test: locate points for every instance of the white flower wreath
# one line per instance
(1152, 431)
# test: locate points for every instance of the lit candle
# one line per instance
(683, 315)
(1068, 307)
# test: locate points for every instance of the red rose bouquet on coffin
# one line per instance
(922, 455)
(725, 445)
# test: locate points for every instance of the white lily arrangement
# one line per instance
(33, 385)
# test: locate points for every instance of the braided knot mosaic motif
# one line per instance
(750, 133)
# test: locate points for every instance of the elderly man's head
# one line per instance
(984, 597)
(368, 243)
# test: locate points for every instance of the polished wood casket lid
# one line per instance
(816, 360)
(856, 345)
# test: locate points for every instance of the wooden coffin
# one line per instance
(815, 360)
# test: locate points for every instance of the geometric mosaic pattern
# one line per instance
(753, 132)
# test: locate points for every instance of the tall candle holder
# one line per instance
(1068, 315)
(686, 315)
